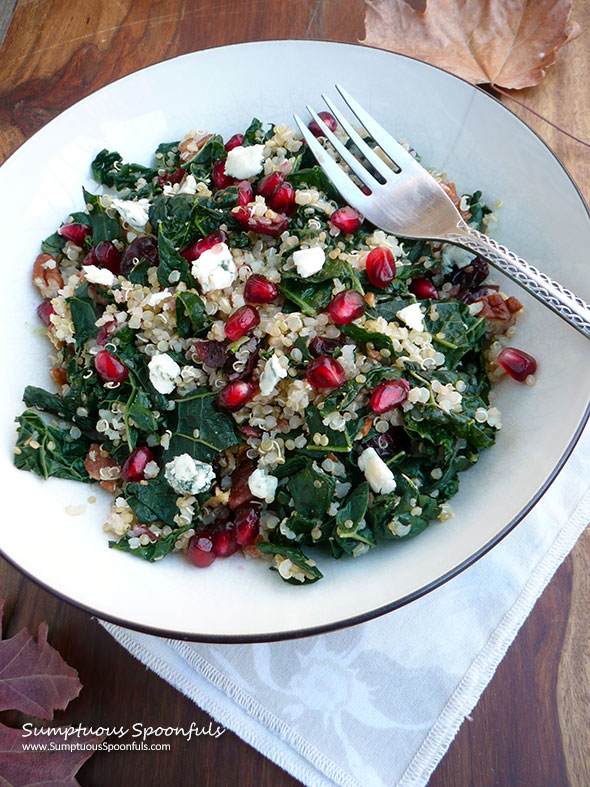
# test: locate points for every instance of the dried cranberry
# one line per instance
(347, 306)
(211, 353)
(388, 444)
(380, 267)
(144, 248)
(75, 232)
(245, 192)
(389, 394)
(328, 119)
(248, 369)
(44, 311)
(258, 289)
(246, 525)
(134, 467)
(325, 372)
(109, 368)
(204, 244)
(241, 322)
(321, 345)
(517, 363)
(218, 176)
(200, 550)
(240, 493)
(472, 276)
(175, 176)
(261, 224)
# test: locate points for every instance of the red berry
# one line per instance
(200, 550)
(245, 192)
(139, 249)
(380, 267)
(105, 255)
(109, 368)
(269, 183)
(172, 177)
(235, 395)
(76, 233)
(134, 467)
(241, 322)
(224, 543)
(260, 290)
(211, 353)
(325, 372)
(45, 310)
(218, 176)
(389, 394)
(105, 331)
(204, 244)
(517, 363)
(246, 525)
(234, 142)
(346, 307)
(260, 224)
(346, 219)
(328, 119)
(283, 199)
(321, 345)
(423, 289)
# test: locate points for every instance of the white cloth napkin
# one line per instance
(378, 704)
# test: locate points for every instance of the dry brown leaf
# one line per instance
(508, 43)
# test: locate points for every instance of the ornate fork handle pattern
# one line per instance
(564, 303)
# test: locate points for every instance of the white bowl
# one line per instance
(456, 128)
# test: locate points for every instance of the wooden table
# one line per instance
(531, 726)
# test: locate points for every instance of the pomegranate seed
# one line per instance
(218, 176)
(283, 199)
(269, 184)
(241, 322)
(245, 192)
(134, 467)
(105, 255)
(203, 244)
(234, 142)
(389, 394)
(260, 290)
(423, 289)
(200, 550)
(321, 345)
(346, 219)
(380, 267)
(235, 395)
(246, 525)
(139, 249)
(109, 368)
(517, 363)
(346, 307)
(224, 543)
(76, 233)
(45, 310)
(260, 224)
(211, 353)
(328, 119)
(325, 372)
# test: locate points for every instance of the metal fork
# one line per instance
(410, 203)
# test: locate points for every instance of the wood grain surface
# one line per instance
(532, 724)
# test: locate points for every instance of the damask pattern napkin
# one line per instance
(378, 704)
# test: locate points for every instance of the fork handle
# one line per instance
(564, 303)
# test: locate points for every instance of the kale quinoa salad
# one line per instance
(244, 363)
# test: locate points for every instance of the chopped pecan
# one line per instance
(46, 276)
(451, 191)
(103, 468)
(500, 312)
(59, 375)
(240, 491)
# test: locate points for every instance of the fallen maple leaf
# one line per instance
(507, 43)
(41, 768)
(34, 678)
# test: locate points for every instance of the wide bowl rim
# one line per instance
(241, 639)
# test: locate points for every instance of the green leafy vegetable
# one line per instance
(191, 317)
(49, 451)
(155, 550)
(304, 566)
(215, 430)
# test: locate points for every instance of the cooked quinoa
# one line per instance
(244, 363)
